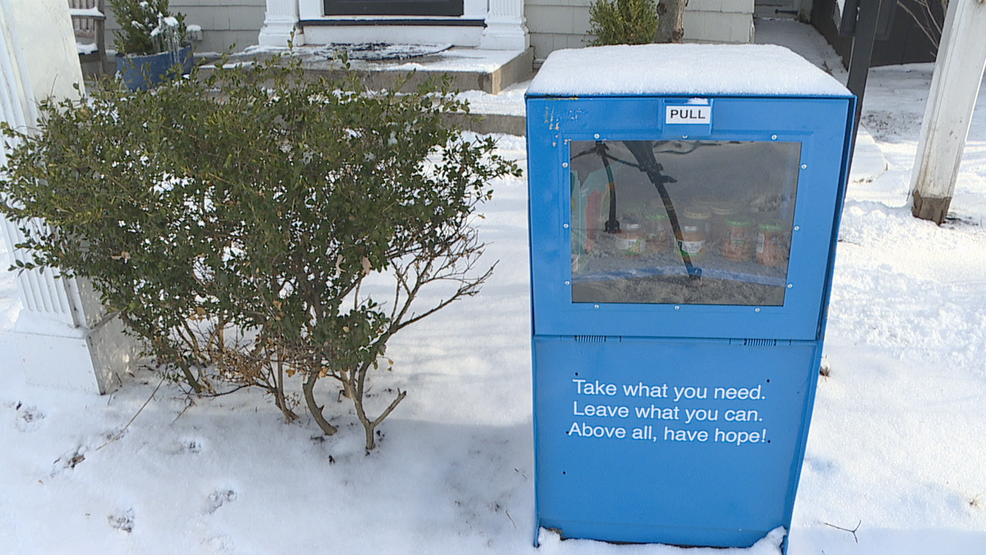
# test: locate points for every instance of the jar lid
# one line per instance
(697, 213)
(703, 200)
(739, 221)
(724, 209)
(656, 216)
(771, 226)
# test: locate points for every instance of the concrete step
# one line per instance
(493, 124)
(482, 74)
(473, 71)
(490, 71)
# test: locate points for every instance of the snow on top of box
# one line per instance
(682, 69)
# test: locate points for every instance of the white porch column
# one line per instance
(62, 335)
(506, 26)
(948, 114)
(281, 20)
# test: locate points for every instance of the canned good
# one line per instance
(737, 242)
(772, 248)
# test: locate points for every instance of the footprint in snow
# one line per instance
(219, 544)
(122, 521)
(69, 460)
(28, 419)
(219, 498)
(822, 465)
(188, 446)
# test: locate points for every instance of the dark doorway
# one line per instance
(394, 7)
(775, 9)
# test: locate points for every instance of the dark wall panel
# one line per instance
(905, 44)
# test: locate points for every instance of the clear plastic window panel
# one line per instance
(682, 222)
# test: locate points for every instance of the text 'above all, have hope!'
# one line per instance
(731, 417)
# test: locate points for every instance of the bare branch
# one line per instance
(853, 531)
(134, 417)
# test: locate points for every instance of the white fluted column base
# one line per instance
(87, 359)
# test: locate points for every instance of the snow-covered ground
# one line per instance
(896, 450)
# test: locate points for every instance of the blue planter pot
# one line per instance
(142, 72)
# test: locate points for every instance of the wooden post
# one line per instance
(954, 89)
(671, 25)
(864, 35)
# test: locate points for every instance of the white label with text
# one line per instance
(688, 114)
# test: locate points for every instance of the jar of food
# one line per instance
(694, 232)
(692, 241)
(657, 227)
(700, 216)
(737, 240)
(772, 248)
(631, 241)
(721, 211)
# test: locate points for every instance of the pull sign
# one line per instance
(688, 114)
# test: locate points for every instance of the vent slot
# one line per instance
(760, 342)
(590, 338)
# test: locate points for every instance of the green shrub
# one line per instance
(147, 27)
(244, 224)
(623, 21)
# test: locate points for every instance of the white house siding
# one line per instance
(223, 22)
(719, 21)
(553, 24)
(556, 24)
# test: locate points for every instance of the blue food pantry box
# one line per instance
(684, 206)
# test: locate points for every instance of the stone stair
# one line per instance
(482, 75)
